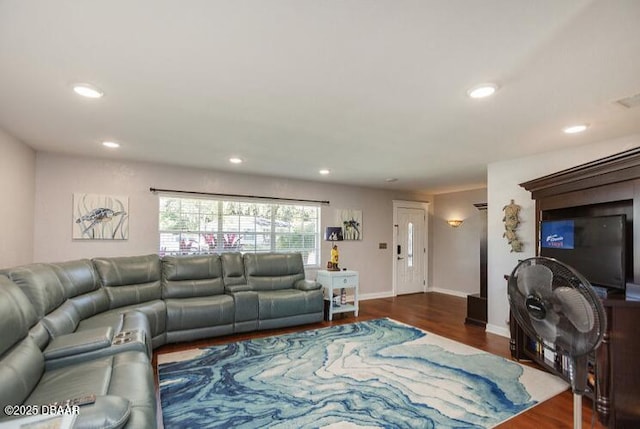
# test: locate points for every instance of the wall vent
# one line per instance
(629, 102)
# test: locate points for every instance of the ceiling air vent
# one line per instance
(629, 102)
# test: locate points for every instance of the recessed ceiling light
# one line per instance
(482, 90)
(573, 129)
(111, 145)
(324, 171)
(235, 160)
(87, 90)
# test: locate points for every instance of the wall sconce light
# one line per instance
(454, 223)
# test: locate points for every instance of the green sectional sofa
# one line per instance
(87, 329)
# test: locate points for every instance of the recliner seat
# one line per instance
(193, 291)
(123, 383)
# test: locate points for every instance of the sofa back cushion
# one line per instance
(273, 271)
(17, 314)
(21, 368)
(233, 269)
(82, 286)
(41, 285)
(129, 280)
(77, 277)
(48, 295)
(191, 276)
(21, 361)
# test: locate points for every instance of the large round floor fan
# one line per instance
(557, 306)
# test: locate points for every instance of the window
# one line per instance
(191, 226)
(410, 245)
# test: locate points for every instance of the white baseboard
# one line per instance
(375, 295)
(498, 330)
(448, 292)
(389, 294)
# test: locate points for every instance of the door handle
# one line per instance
(399, 258)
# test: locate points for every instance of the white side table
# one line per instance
(335, 281)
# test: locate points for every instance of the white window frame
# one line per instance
(215, 239)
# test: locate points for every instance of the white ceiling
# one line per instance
(367, 88)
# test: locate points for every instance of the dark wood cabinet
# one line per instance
(607, 186)
(477, 302)
(618, 385)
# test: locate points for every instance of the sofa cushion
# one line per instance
(41, 285)
(63, 320)
(233, 269)
(18, 301)
(107, 412)
(78, 277)
(91, 303)
(191, 313)
(288, 302)
(273, 271)
(40, 335)
(16, 314)
(21, 361)
(130, 280)
(127, 375)
(20, 370)
(48, 296)
(191, 276)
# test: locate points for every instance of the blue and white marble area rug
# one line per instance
(373, 374)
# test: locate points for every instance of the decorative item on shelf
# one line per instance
(335, 256)
(511, 221)
(343, 296)
(333, 233)
(455, 222)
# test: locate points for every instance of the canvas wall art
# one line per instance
(351, 222)
(333, 233)
(100, 217)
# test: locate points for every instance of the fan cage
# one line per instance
(568, 342)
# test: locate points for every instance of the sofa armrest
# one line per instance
(103, 412)
(79, 342)
(237, 288)
(108, 412)
(307, 285)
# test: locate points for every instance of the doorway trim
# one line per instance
(425, 261)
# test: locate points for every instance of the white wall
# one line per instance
(503, 185)
(456, 251)
(17, 192)
(59, 176)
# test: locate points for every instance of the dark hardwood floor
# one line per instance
(443, 315)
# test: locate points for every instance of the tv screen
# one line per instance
(593, 246)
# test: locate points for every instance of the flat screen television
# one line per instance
(594, 246)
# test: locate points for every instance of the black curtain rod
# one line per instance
(213, 194)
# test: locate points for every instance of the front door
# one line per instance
(410, 251)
